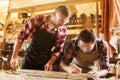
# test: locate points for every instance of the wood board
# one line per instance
(50, 74)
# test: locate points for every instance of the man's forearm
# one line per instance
(63, 66)
(17, 46)
(53, 59)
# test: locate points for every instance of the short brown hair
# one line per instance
(86, 36)
(63, 9)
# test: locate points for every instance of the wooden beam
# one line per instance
(50, 74)
(49, 6)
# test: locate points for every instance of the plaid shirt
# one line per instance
(38, 21)
(100, 47)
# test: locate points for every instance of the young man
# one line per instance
(85, 52)
(48, 35)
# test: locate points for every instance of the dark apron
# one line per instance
(39, 50)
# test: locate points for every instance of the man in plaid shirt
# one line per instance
(86, 54)
(48, 35)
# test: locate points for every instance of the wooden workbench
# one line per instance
(23, 74)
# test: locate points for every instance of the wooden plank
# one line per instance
(52, 74)
(82, 76)
(6, 76)
(45, 75)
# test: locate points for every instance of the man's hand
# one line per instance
(97, 74)
(14, 63)
(76, 69)
(48, 67)
(71, 69)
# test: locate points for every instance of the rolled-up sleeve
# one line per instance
(69, 53)
(104, 59)
(61, 37)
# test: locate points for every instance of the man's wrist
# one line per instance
(53, 59)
